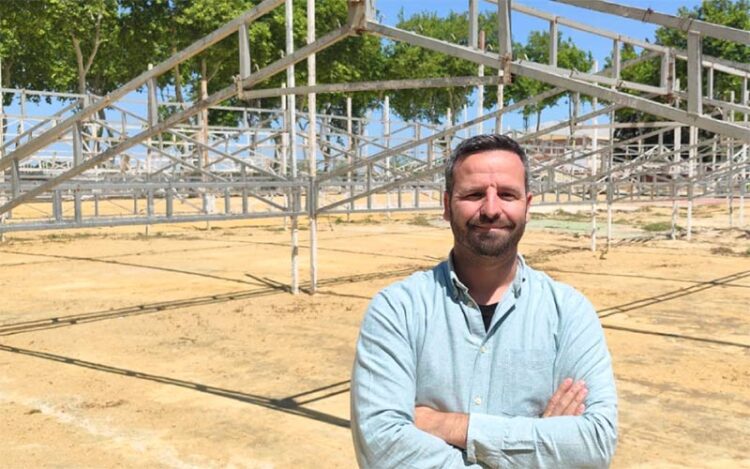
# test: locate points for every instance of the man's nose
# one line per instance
(491, 207)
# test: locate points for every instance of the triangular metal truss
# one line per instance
(99, 162)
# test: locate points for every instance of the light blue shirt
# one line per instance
(423, 342)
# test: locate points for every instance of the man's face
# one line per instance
(489, 206)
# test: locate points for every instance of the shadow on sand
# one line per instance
(289, 404)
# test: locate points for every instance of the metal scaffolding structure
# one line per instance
(110, 160)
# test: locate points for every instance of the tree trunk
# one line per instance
(83, 70)
(538, 119)
(177, 81)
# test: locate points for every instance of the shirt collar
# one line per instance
(458, 289)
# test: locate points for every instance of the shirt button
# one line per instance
(478, 400)
(483, 349)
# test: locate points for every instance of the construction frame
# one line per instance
(97, 162)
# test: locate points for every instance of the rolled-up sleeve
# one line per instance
(588, 440)
(383, 395)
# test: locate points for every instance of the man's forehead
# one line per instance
(490, 163)
(499, 152)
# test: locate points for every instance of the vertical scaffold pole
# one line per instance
(349, 159)
(505, 48)
(730, 163)
(387, 143)
(610, 182)
(2, 153)
(284, 152)
(611, 154)
(291, 130)
(473, 23)
(500, 105)
(476, 40)
(244, 52)
(676, 173)
(593, 166)
(245, 65)
(693, 153)
(695, 106)
(743, 174)
(312, 145)
(465, 117)
(553, 42)
(203, 138)
(77, 160)
(480, 88)
(153, 119)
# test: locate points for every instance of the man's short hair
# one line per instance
(482, 143)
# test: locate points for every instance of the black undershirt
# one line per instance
(487, 312)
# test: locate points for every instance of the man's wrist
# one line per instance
(457, 429)
(451, 427)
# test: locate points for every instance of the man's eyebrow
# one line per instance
(482, 188)
(475, 188)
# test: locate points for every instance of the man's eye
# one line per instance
(508, 196)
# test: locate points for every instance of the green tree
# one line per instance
(408, 61)
(733, 13)
(23, 34)
(536, 49)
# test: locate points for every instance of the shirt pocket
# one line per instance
(529, 382)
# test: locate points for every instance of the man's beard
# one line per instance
(488, 243)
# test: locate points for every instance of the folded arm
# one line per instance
(383, 395)
(578, 426)
(586, 440)
(453, 427)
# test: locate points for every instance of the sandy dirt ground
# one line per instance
(184, 348)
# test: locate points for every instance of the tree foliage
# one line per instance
(98, 45)
(732, 13)
(536, 49)
(735, 14)
(408, 61)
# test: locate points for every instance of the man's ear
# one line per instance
(529, 196)
(446, 206)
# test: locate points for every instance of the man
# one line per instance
(483, 361)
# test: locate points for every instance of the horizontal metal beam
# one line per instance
(380, 85)
(726, 105)
(634, 102)
(560, 20)
(717, 63)
(650, 16)
(599, 78)
(421, 208)
(474, 55)
(412, 177)
(119, 188)
(153, 220)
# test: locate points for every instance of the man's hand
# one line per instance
(567, 400)
(450, 427)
